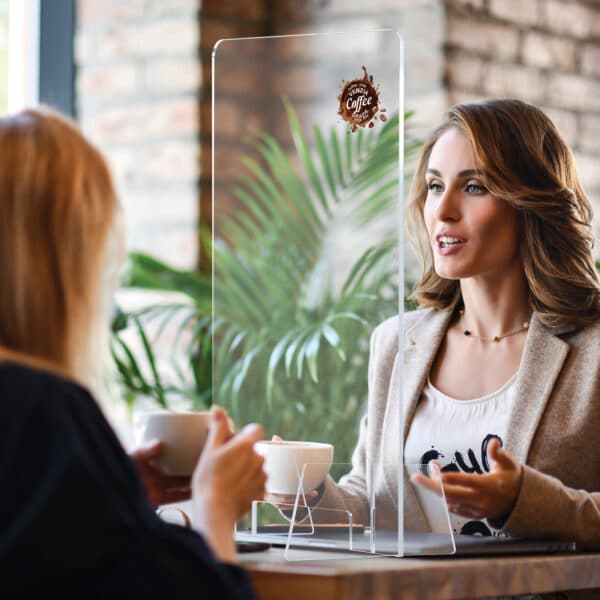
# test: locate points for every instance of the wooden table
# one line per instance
(375, 578)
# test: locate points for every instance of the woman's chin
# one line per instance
(446, 273)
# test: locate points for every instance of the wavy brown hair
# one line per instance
(525, 162)
(58, 234)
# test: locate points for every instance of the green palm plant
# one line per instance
(142, 371)
(290, 346)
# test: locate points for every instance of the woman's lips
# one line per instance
(447, 245)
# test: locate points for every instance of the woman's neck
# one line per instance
(35, 362)
(495, 306)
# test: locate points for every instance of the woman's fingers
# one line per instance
(433, 485)
(253, 432)
(465, 511)
(501, 457)
(287, 501)
(148, 451)
(176, 494)
(454, 494)
(218, 431)
(464, 479)
(178, 481)
(280, 501)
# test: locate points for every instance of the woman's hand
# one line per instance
(475, 496)
(228, 477)
(161, 488)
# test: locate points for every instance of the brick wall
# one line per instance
(239, 96)
(143, 85)
(544, 51)
(138, 81)
(143, 92)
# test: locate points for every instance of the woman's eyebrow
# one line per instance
(465, 173)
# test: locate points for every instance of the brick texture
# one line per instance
(590, 60)
(590, 136)
(579, 20)
(567, 123)
(144, 82)
(138, 80)
(549, 52)
(520, 12)
(543, 51)
(486, 39)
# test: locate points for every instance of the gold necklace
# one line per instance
(496, 338)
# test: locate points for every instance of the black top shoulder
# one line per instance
(74, 519)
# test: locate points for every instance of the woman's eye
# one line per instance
(435, 186)
(474, 188)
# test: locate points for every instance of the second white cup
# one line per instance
(183, 435)
(284, 461)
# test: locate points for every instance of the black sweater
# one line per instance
(75, 521)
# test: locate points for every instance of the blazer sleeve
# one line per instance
(545, 506)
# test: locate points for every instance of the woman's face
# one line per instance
(471, 232)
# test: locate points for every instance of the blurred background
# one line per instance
(140, 80)
(136, 76)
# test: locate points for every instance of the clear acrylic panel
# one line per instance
(345, 525)
(421, 528)
(303, 525)
(307, 172)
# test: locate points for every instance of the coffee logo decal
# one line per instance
(359, 102)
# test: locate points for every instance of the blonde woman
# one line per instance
(75, 519)
(502, 361)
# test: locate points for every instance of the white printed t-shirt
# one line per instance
(456, 434)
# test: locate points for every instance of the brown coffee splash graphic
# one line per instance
(359, 102)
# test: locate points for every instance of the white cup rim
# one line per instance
(294, 444)
(176, 413)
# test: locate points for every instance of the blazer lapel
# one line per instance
(422, 340)
(543, 357)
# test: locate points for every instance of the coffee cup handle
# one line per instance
(186, 520)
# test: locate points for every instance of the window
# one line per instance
(19, 53)
(36, 54)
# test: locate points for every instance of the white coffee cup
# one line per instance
(284, 461)
(183, 435)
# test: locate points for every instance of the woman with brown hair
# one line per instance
(75, 519)
(502, 361)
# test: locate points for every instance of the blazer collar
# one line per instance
(422, 340)
(543, 357)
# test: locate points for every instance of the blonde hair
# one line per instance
(526, 163)
(60, 244)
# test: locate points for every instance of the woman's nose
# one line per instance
(448, 206)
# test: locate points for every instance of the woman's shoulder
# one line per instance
(410, 319)
(388, 331)
(587, 336)
(13, 367)
(32, 384)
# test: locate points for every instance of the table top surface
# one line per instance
(348, 577)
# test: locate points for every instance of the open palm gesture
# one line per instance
(479, 496)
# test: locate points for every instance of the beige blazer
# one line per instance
(554, 429)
